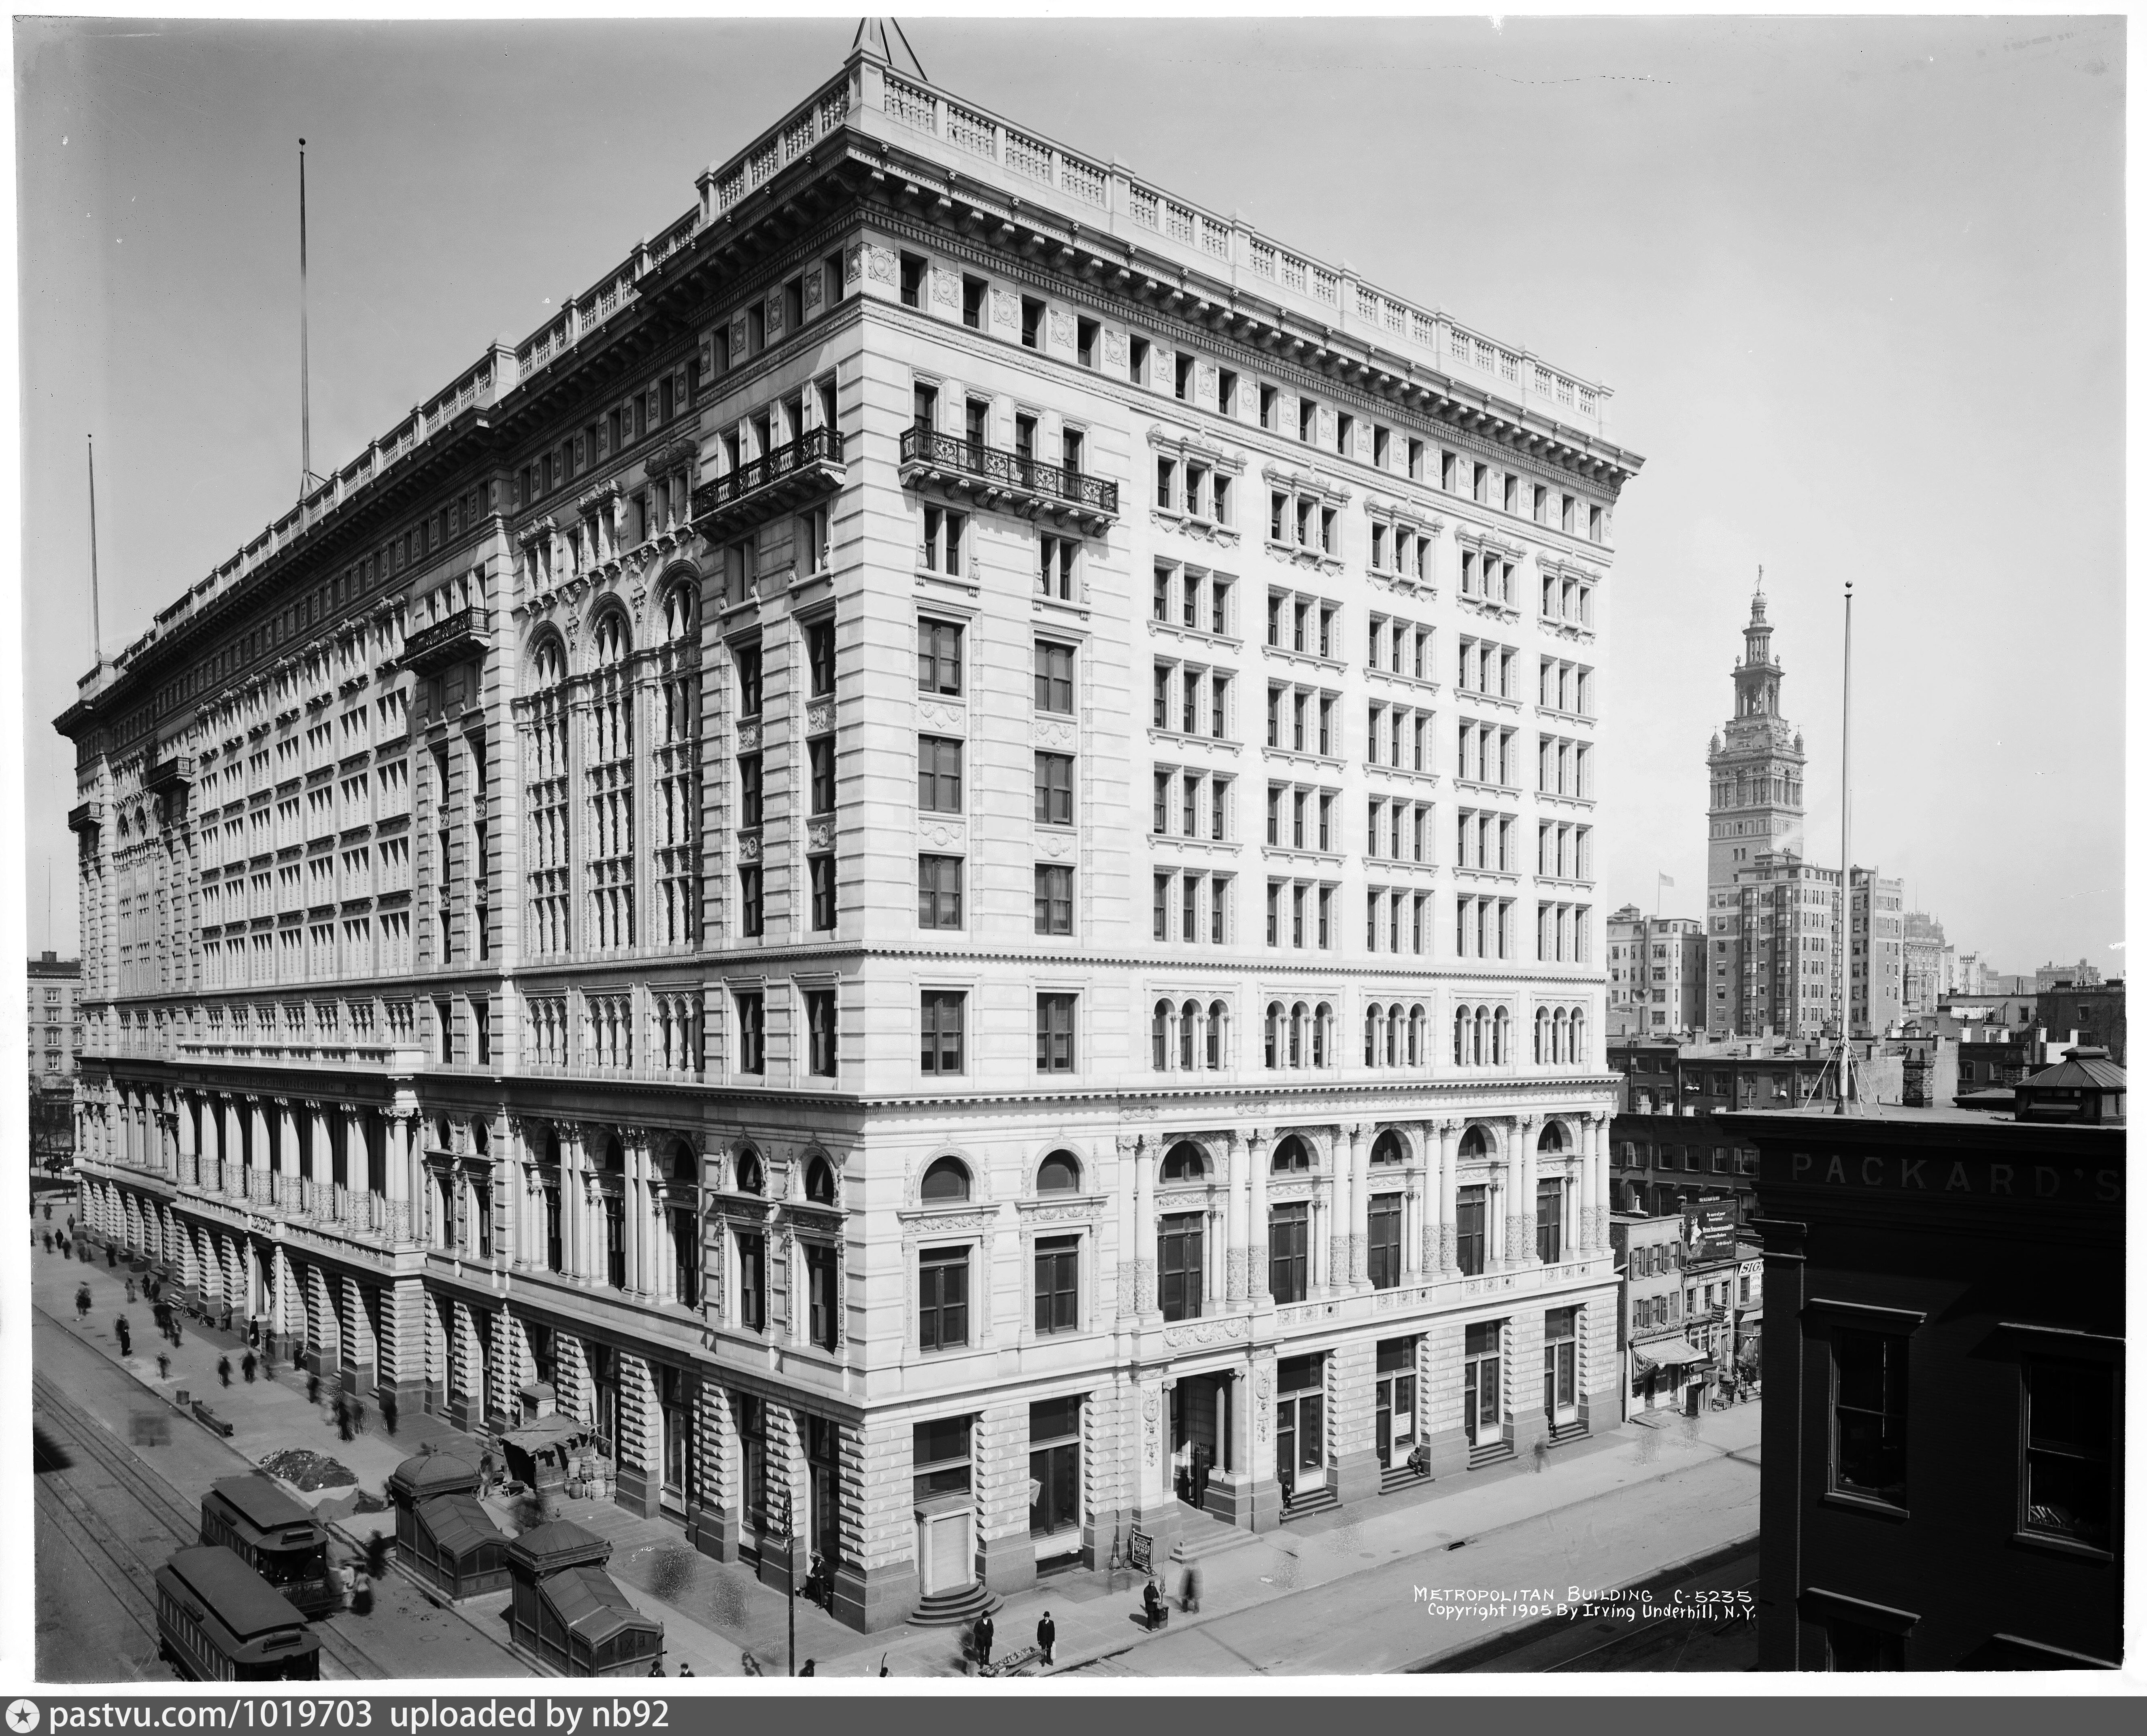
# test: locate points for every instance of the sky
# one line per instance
(1857, 286)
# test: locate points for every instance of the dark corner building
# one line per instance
(1945, 1349)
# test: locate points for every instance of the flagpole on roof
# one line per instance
(1848, 924)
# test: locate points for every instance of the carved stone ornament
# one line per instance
(943, 836)
(1054, 735)
(819, 716)
(748, 737)
(943, 287)
(680, 454)
(774, 315)
(951, 718)
(535, 531)
(1114, 347)
(1062, 329)
(748, 847)
(879, 262)
(1003, 307)
(1055, 845)
(812, 292)
(853, 267)
(820, 835)
(1220, 1331)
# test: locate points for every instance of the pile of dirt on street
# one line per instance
(304, 1469)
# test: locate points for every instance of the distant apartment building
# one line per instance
(1657, 967)
(2082, 975)
(1967, 973)
(54, 1018)
(1924, 953)
(2093, 1014)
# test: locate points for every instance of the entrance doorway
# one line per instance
(1482, 1411)
(1300, 1426)
(1200, 1434)
(1393, 1417)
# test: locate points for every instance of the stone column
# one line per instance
(1123, 1197)
(185, 1138)
(1234, 1218)
(1144, 1248)
(1343, 1218)
(1525, 1206)
(633, 1196)
(1600, 1192)
(1001, 1451)
(1256, 1146)
(1360, 1206)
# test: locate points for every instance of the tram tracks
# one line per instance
(172, 1524)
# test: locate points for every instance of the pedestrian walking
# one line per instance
(314, 1389)
(982, 1636)
(82, 1302)
(810, 1668)
(356, 1415)
(49, 1241)
(1152, 1605)
(246, 1365)
(175, 1328)
(130, 1290)
(749, 1664)
(684, 1668)
(164, 1366)
(124, 1333)
(1047, 1636)
(110, 1258)
(656, 1667)
(48, 1211)
(375, 1554)
(1191, 1599)
(388, 1409)
(224, 1370)
(361, 1593)
(342, 1417)
(1542, 1453)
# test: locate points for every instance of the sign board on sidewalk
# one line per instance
(1140, 1552)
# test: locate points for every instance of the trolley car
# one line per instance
(217, 1621)
(275, 1536)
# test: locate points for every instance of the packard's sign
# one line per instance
(1975, 1177)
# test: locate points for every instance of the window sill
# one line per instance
(2065, 1546)
(1867, 1504)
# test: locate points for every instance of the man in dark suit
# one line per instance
(982, 1636)
(1047, 1636)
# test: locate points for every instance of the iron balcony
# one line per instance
(777, 482)
(1007, 480)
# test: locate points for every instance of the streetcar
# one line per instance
(218, 1621)
(275, 1536)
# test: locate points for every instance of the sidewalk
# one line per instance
(713, 1611)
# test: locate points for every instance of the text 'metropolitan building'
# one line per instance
(937, 856)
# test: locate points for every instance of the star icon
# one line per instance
(22, 1717)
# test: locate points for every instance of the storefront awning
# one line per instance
(1670, 1353)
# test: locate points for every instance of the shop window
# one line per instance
(939, 1457)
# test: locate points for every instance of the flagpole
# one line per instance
(305, 383)
(1848, 920)
(96, 616)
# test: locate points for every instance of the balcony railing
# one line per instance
(85, 817)
(1006, 478)
(773, 483)
(454, 638)
(174, 771)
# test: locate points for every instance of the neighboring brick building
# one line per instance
(2092, 1014)
(1941, 1481)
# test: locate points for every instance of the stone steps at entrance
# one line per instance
(1490, 1453)
(1202, 1534)
(953, 1608)
(1312, 1501)
(1400, 1476)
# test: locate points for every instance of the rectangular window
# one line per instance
(821, 756)
(938, 892)
(1058, 1284)
(1468, 1210)
(753, 1281)
(822, 872)
(752, 912)
(939, 656)
(1088, 335)
(1550, 1221)
(1054, 789)
(1180, 1276)
(752, 1033)
(820, 657)
(1055, 900)
(820, 1031)
(938, 774)
(2069, 1449)
(912, 281)
(1054, 574)
(1871, 1414)
(972, 303)
(1055, 1033)
(1382, 1251)
(941, 1013)
(749, 789)
(939, 1457)
(943, 1299)
(1054, 678)
(1560, 1368)
(820, 1295)
(1289, 1253)
(1031, 322)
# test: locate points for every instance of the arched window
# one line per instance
(752, 1179)
(1322, 1033)
(1576, 1033)
(1501, 1053)
(1461, 1025)
(1185, 1162)
(1160, 1035)
(1475, 1143)
(609, 780)
(681, 1164)
(614, 1156)
(551, 1158)
(1291, 1156)
(1296, 1020)
(1387, 1148)
(1552, 1137)
(1393, 1035)
(1216, 1014)
(820, 1183)
(1372, 1035)
(1188, 1035)
(681, 610)
(1274, 1034)
(1483, 1035)
(1416, 1057)
(1058, 1174)
(947, 1178)
(1543, 1036)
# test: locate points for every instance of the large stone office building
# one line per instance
(897, 857)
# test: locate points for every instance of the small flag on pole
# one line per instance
(1662, 879)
